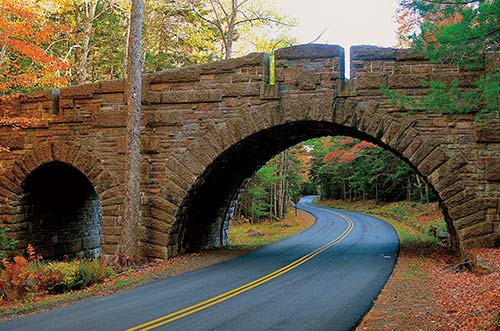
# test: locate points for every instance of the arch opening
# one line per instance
(204, 214)
(62, 212)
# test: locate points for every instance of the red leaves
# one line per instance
(468, 302)
(349, 153)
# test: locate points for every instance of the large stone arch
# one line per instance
(306, 116)
(103, 182)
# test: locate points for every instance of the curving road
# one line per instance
(324, 278)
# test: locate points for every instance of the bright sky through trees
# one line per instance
(347, 22)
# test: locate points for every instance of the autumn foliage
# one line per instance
(349, 151)
(23, 277)
(410, 22)
(25, 36)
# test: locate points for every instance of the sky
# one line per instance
(347, 22)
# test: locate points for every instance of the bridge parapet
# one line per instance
(310, 67)
(401, 70)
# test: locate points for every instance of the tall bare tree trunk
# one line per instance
(127, 40)
(90, 11)
(129, 249)
(231, 26)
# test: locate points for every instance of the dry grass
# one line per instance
(252, 235)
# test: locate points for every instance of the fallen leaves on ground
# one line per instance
(424, 294)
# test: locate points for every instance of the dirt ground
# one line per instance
(432, 293)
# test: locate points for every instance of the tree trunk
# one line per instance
(127, 40)
(90, 10)
(133, 194)
(231, 26)
(344, 192)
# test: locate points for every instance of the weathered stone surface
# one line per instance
(370, 80)
(309, 51)
(407, 81)
(366, 53)
(193, 96)
(207, 128)
(487, 133)
(114, 119)
(493, 169)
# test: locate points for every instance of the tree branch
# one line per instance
(319, 36)
(467, 2)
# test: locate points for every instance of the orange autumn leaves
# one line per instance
(410, 22)
(25, 37)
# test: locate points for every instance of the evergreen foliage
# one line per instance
(455, 32)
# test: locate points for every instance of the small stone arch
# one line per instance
(65, 155)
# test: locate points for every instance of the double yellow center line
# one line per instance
(239, 290)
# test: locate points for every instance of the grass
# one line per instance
(254, 235)
(412, 221)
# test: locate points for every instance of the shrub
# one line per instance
(90, 272)
(57, 277)
(15, 282)
(22, 276)
(5, 242)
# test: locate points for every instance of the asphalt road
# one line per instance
(324, 278)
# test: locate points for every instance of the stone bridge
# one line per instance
(207, 128)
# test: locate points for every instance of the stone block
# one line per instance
(12, 142)
(476, 231)
(465, 79)
(368, 80)
(241, 89)
(154, 251)
(421, 153)
(109, 119)
(309, 51)
(367, 52)
(150, 145)
(79, 91)
(470, 207)
(408, 54)
(470, 220)
(112, 86)
(407, 81)
(493, 169)
(150, 97)
(487, 133)
(192, 96)
(432, 161)
(177, 75)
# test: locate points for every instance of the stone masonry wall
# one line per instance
(201, 123)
